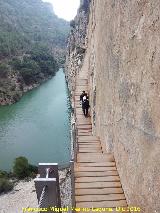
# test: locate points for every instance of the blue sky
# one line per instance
(65, 9)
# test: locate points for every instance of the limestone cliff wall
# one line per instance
(77, 43)
(122, 52)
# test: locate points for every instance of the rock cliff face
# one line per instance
(121, 58)
(77, 43)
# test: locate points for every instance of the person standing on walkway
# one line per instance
(85, 105)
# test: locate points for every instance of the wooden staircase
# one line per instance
(97, 183)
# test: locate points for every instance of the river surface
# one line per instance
(38, 126)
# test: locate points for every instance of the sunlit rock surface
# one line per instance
(121, 59)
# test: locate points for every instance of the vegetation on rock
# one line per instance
(23, 169)
(5, 185)
(32, 44)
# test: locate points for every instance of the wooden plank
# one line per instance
(84, 130)
(94, 169)
(88, 138)
(92, 149)
(96, 174)
(97, 179)
(102, 204)
(89, 160)
(81, 129)
(101, 164)
(85, 126)
(107, 155)
(108, 197)
(96, 185)
(84, 134)
(83, 121)
(89, 151)
(103, 191)
(82, 157)
(82, 84)
(89, 142)
(89, 146)
(81, 117)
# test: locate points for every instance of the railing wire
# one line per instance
(42, 197)
(44, 192)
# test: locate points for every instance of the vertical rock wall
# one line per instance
(122, 52)
(77, 43)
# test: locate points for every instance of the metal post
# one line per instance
(47, 186)
(46, 192)
(53, 173)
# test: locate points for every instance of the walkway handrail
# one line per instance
(73, 185)
(75, 144)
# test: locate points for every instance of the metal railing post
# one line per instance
(46, 193)
(47, 186)
(52, 174)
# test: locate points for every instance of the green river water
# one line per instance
(38, 126)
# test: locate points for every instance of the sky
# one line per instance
(65, 9)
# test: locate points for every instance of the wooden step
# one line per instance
(97, 179)
(102, 191)
(82, 157)
(87, 126)
(84, 130)
(101, 164)
(89, 146)
(84, 134)
(101, 204)
(96, 174)
(88, 142)
(90, 198)
(89, 151)
(94, 169)
(88, 138)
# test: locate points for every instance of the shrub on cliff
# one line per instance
(4, 174)
(5, 185)
(23, 169)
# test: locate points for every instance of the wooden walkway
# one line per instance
(97, 183)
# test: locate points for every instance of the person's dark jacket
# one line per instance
(85, 104)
